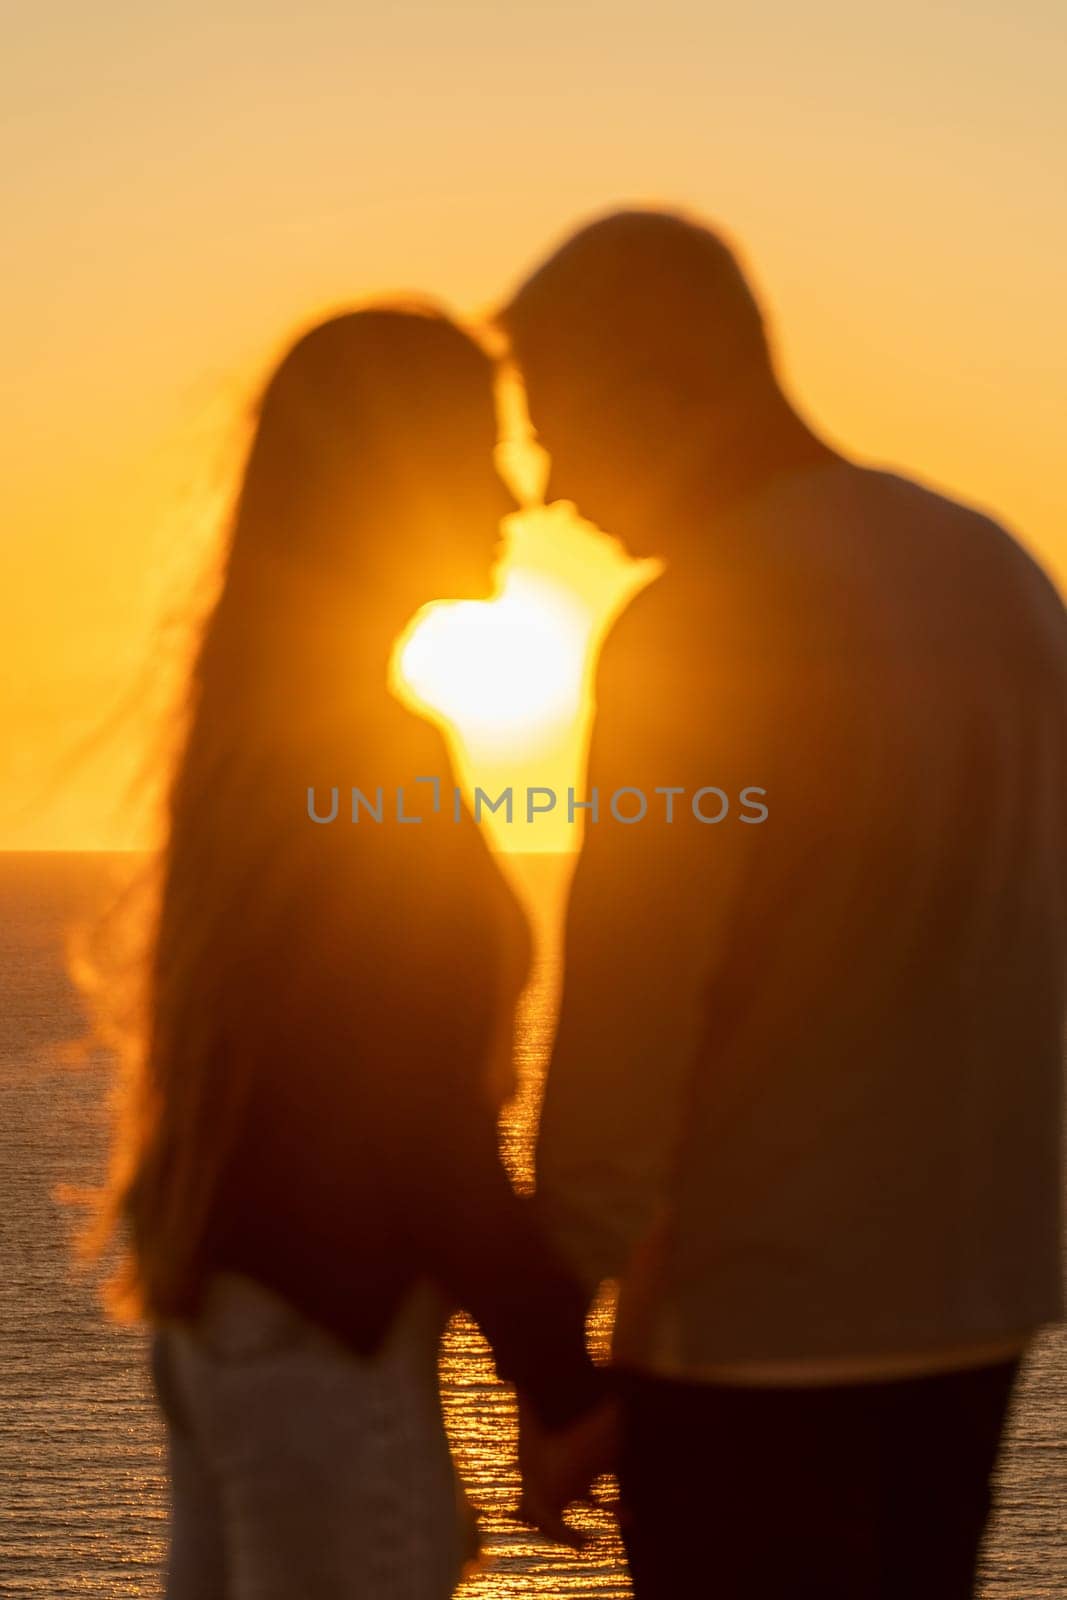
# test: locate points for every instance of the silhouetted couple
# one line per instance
(804, 1097)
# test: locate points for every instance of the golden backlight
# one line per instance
(509, 678)
(510, 668)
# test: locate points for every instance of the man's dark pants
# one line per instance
(853, 1492)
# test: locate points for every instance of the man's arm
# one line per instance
(648, 902)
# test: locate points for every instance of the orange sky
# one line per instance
(187, 184)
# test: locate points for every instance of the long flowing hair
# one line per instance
(350, 430)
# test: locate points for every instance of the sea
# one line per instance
(83, 1503)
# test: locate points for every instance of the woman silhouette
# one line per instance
(307, 1167)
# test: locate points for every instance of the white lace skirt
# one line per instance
(300, 1471)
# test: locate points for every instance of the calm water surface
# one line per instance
(82, 1494)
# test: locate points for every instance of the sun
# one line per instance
(505, 672)
(509, 679)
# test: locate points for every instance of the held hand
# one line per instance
(559, 1466)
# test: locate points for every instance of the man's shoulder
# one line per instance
(657, 649)
(969, 534)
(669, 619)
(918, 546)
(638, 632)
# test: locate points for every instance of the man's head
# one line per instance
(639, 340)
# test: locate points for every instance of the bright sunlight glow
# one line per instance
(508, 670)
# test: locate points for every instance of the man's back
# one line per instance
(856, 1124)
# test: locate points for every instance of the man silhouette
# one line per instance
(804, 1100)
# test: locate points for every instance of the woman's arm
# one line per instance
(468, 949)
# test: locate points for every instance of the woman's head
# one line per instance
(370, 488)
(373, 458)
